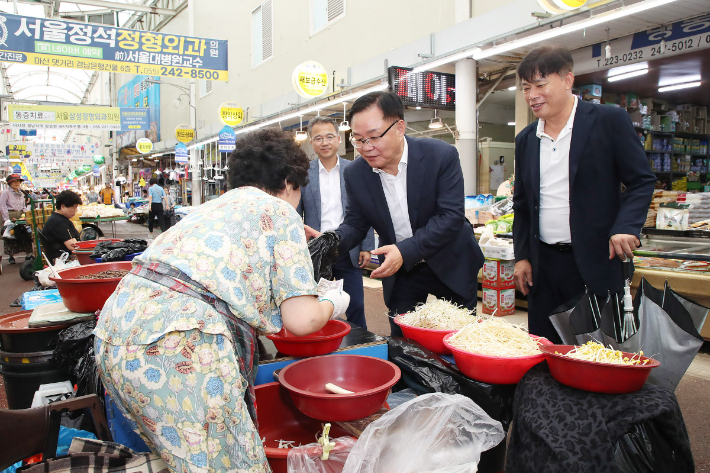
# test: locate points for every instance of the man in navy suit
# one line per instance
(573, 223)
(323, 203)
(410, 190)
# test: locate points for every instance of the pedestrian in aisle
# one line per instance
(107, 196)
(12, 204)
(410, 190)
(169, 208)
(573, 224)
(323, 204)
(157, 205)
(92, 196)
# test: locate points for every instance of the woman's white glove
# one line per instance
(7, 222)
(340, 300)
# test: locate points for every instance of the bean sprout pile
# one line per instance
(495, 337)
(596, 352)
(439, 315)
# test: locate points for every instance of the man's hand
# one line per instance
(310, 233)
(364, 259)
(623, 246)
(523, 276)
(393, 261)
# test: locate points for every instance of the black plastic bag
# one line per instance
(74, 353)
(644, 450)
(427, 372)
(116, 251)
(324, 252)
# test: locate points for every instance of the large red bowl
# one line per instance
(369, 378)
(495, 369)
(322, 342)
(431, 339)
(280, 420)
(87, 295)
(597, 377)
(83, 256)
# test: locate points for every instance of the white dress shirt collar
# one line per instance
(322, 168)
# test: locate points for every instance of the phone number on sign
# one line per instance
(180, 72)
(685, 44)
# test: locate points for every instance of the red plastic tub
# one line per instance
(495, 369)
(279, 419)
(83, 256)
(431, 339)
(596, 377)
(87, 295)
(322, 342)
(369, 378)
(91, 244)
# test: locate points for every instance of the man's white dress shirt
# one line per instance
(331, 205)
(395, 188)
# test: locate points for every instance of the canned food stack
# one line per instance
(498, 287)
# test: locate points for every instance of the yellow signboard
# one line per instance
(561, 6)
(310, 79)
(144, 145)
(231, 113)
(184, 133)
(61, 117)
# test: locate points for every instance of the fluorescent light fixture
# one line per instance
(511, 123)
(615, 71)
(685, 85)
(301, 136)
(512, 87)
(417, 107)
(628, 75)
(436, 123)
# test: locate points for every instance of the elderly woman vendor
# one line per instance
(175, 343)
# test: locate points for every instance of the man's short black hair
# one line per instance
(268, 159)
(546, 60)
(67, 199)
(153, 180)
(389, 103)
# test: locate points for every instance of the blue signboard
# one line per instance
(51, 42)
(227, 139)
(139, 93)
(28, 132)
(135, 119)
(96, 170)
(181, 153)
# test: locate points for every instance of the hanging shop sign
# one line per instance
(678, 38)
(144, 145)
(561, 6)
(141, 183)
(18, 151)
(231, 113)
(184, 134)
(53, 43)
(139, 92)
(181, 153)
(423, 89)
(77, 118)
(227, 139)
(98, 159)
(96, 171)
(310, 79)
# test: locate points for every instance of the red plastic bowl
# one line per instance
(83, 257)
(87, 295)
(495, 369)
(369, 378)
(322, 342)
(597, 377)
(280, 420)
(431, 339)
(91, 244)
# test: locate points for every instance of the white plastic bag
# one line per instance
(8, 232)
(307, 458)
(59, 263)
(442, 433)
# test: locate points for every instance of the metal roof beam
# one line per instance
(35, 86)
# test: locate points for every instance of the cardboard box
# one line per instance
(498, 273)
(499, 252)
(485, 217)
(592, 90)
(498, 301)
(472, 215)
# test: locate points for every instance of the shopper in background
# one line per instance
(92, 195)
(107, 196)
(176, 343)
(410, 190)
(169, 208)
(573, 224)
(59, 233)
(323, 203)
(157, 205)
(12, 204)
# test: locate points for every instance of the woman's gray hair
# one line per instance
(316, 120)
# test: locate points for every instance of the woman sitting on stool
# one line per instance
(59, 232)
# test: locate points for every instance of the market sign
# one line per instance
(227, 139)
(423, 89)
(231, 113)
(49, 42)
(17, 151)
(96, 171)
(181, 153)
(140, 92)
(98, 159)
(77, 118)
(184, 134)
(310, 79)
(561, 6)
(144, 145)
(680, 37)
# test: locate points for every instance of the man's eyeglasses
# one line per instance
(373, 141)
(329, 138)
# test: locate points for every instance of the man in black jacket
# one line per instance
(573, 223)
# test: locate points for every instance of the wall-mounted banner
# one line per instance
(77, 118)
(63, 154)
(310, 79)
(144, 145)
(96, 170)
(18, 151)
(181, 153)
(423, 89)
(231, 113)
(184, 133)
(136, 93)
(227, 139)
(54, 43)
(680, 37)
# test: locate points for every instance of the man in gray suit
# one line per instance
(323, 203)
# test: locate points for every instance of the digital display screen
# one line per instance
(424, 89)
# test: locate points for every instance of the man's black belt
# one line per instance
(561, 247)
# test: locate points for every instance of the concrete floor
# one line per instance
(692, 392)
